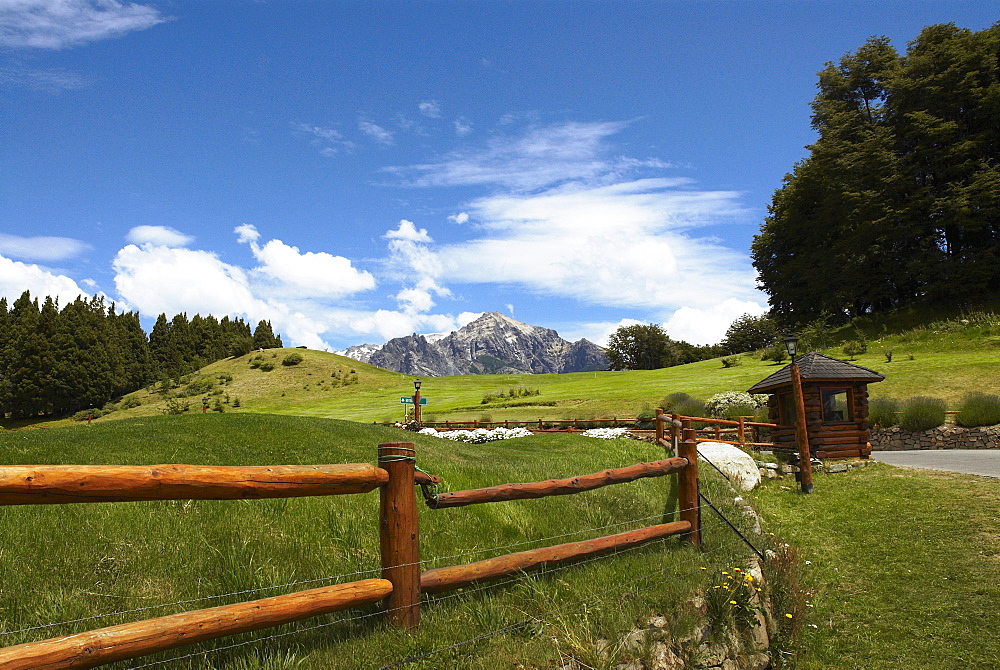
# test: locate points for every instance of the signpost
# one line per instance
(408, 400)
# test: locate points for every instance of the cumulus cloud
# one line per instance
(460, 218)
(58, 24)
(408, 231)
(316, 275)
(41, 248)
(430, 109)
(375, 131)
(158, 235)
(17, 277)
(707, 325)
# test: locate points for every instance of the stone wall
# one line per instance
(942, 437)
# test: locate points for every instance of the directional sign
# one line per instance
(408, 400)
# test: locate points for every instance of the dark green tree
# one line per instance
(264, 337)
(750, 333)
(640, 347)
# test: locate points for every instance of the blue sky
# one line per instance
(356, 171)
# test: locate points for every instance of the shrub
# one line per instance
(266, 367)
(855, 348)
(645, 419)
(724, 404)
(670, 402)
(730, 361)
(217, 406)
(292, 359)
(236, 401)
(776, 352)
(882, 412)
(92, 413)
(175, 406)
(922, 413)
(130, 401)
(978, 409)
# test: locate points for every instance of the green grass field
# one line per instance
(69, 562)
(902, 566)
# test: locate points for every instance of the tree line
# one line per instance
(898, 200)
(59, 360)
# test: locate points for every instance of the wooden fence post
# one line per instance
(659, 424)
(741, 431)
(687, 484)
(399, 541)
(802, 432)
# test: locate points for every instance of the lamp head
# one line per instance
(791, 345)
(416, 384)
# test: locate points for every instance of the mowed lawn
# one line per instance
(904, 566)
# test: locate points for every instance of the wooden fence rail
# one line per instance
(402, 581)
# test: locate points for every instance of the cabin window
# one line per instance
(836, 405)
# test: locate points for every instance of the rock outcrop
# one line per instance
(492, 344)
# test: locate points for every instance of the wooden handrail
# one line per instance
(558, 487)
(58, 484)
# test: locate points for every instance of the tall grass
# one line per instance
(89, 560)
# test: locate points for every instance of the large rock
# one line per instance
(737, 465)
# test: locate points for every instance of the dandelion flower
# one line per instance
(732, 602)
(724, 572)
(737, 570)
(788, 615)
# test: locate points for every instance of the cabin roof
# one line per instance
(817, 366)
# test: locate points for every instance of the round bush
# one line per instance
(978, 409)
(742, 403)
(882, 412)
(293, 358)
(922, 413)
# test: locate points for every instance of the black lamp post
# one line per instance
(416, 400)
(791, 346)
(204, 405)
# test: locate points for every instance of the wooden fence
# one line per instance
(742, 430)
(402, 580)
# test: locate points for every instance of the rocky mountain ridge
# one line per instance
(492, 344)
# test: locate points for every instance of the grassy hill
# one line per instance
(945, 358)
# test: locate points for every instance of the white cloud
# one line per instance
(707, 325)
(510, 308)
(310, 274)
(155, 279)
(460, 218)
(430, 109)
(57, 24)
(408, 231)
(541, 157)
(375, 131)
(17, 277)
(41, 248)
(163, 236)
(246, 233)
(463, 126)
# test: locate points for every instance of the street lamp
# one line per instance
(791, 346)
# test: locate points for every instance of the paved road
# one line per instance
(985, 462)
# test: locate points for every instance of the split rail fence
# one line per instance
(402, 582)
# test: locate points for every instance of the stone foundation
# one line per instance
(942, 437)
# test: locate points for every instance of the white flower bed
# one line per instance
(479, 435)
(608, 433)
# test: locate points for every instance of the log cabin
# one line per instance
(836, 403)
